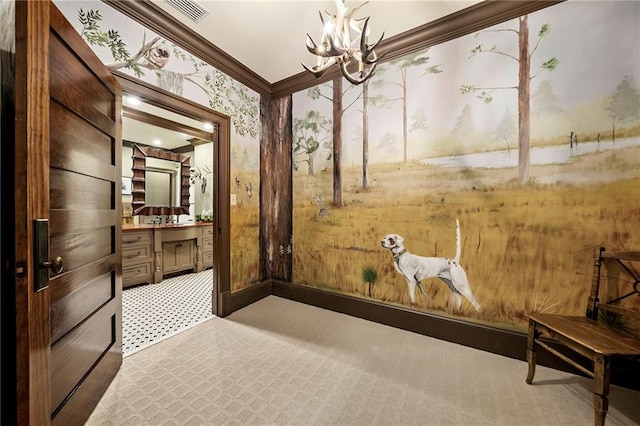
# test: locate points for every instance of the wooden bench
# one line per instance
(600, 336)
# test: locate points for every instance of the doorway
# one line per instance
(173, 244)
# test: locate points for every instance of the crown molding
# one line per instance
(157, 20)
(457, 24)
(463, 22)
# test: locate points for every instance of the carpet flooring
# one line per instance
(278, 362)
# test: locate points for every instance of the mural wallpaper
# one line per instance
(482, 171)
(124, 45)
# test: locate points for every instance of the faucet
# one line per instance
(168, 220)
(157, 220)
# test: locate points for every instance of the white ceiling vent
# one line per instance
(190, 9)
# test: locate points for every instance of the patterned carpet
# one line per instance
(278, 362)
(151, 313)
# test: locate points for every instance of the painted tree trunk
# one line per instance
(365, 134)
(337, 142)
(276, 188)
(524, 94)
(404, 114)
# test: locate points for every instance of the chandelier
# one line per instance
(338, 47)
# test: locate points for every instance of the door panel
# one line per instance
(74, 355)
(82, 247)
(68, 310)
(85, 225)
(71, 190)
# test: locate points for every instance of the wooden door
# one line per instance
(68, 164)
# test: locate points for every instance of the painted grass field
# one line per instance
(525, 248)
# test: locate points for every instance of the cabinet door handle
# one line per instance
(132, 256)
(133, 241)
(178, 245)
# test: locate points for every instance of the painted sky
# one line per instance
(596, 43)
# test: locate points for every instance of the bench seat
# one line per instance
(595, 340)
(592, 335)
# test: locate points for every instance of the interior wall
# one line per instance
(239, 102)
(443, 138)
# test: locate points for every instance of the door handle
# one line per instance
(56, 265)
(41, 255)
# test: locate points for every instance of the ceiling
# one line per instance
(268, 37)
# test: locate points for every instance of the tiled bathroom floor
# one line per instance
(153, 312)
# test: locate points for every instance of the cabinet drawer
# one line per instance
(207, 244)
(207, 231)
(129, 238)
(135, 254)
(207, 260)
(136, 274)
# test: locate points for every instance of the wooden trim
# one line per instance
(164, 99)
(466, 21)
(249, 295)
(31, 202)
(458, 24)
(221, 160)
(154, 120)
(158, 21)
(491, 339)
(222, 229)
(477, 336)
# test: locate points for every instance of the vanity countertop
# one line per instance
(142, 226)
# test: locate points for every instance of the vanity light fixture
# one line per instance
(338, 48)
(208, 126)
(157, 142)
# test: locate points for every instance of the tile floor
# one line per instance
(151, 313)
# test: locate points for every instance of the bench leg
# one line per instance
(531, 350)
(601, 370)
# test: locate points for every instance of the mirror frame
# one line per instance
(138, 181)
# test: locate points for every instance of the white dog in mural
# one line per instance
(416, 268)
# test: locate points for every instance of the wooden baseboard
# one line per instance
(249, 295)
(491, 339)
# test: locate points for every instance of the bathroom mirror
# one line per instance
(160, 182)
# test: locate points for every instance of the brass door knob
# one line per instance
(56, 265)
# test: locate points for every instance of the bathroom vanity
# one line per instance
(149, 252)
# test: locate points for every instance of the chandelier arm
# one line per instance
(363, 75)
(335, 50)
(374, 45)
(378, 57)
(318, 71)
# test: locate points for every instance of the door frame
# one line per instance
(161, 98)
(31, 201)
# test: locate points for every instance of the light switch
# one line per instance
(234, 201)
